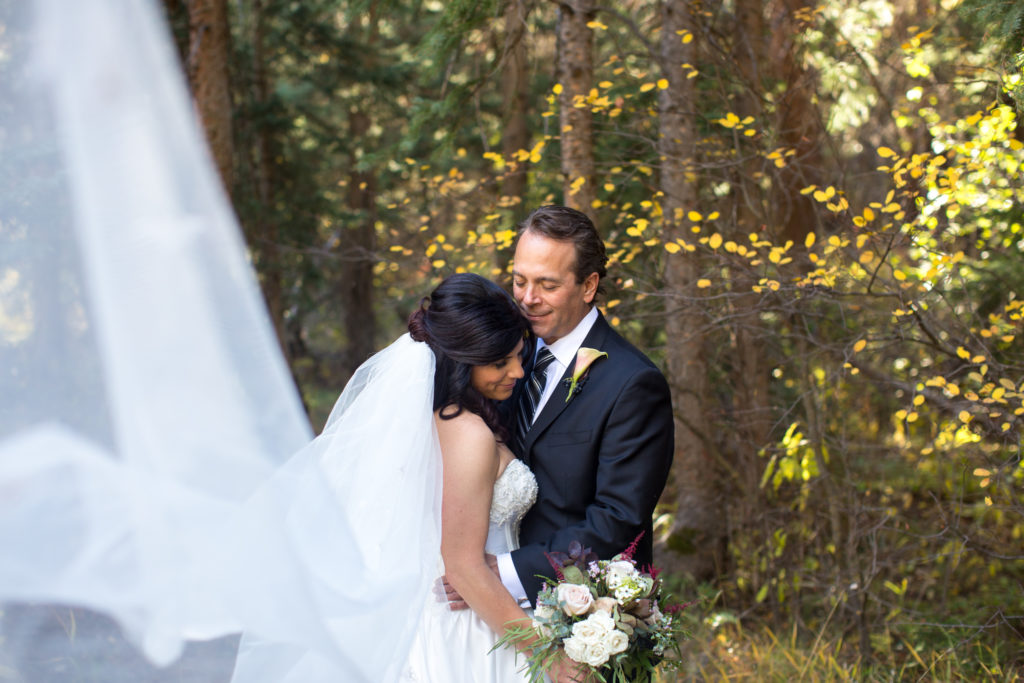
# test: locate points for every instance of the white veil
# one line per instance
(149, 509)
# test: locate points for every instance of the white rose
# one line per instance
(574, 599)
(596, 654)
(575, 649)
(587, 631)
(603, 621)
(544, 612)
(593, 629)
(619, 571)
(617, 641)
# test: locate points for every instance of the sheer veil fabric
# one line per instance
(159, 492)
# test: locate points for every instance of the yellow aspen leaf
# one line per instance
(604, 84)
(964, 416)
(672, 247)
(859, 221)
(886, 153)
(918, 400)
(647, 87)
(869, 215)
(912, 416)
(899, 275)
(978, 359)
(750, 132)
(730, 120)
(663, 84)
(730, 247)
(439, 263)
(1007, 384)
(775, 255)
(608, 187)
(557, 88)
(859, 346)
(866, 257)
(703, 283)
(596, 25)
(809, 189)
(694, 216)
(715, 241)
(809, 240)
(963, 353)
(575, 186)
(713, 216)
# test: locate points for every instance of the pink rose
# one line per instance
(605, 604)
(574, 599)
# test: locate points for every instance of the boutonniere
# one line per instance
(585, 357)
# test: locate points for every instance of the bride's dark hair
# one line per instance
(468, 320)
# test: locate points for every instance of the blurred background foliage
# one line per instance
(814, 217)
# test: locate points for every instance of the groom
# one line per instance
(601, 456)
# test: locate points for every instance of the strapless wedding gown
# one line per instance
(455, 647)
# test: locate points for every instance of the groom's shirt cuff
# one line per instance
(510, 579)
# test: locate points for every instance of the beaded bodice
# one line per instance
(514, 492)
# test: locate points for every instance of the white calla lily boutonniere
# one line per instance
(585, 357)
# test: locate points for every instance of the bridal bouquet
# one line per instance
(607, 615)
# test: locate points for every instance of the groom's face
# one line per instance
(544, 283)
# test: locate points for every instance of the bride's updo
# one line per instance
(468, 320)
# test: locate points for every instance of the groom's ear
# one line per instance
(590, 287)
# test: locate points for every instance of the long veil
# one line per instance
(159, 493)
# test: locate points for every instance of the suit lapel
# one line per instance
(556, 402)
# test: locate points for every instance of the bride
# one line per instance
(470, 337)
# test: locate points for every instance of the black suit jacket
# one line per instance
(601, 460)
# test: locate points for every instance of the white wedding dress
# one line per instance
(455, 646)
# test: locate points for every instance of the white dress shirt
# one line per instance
(564, 350)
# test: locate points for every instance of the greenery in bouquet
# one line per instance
(607, 615)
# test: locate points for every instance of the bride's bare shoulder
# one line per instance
(464, 426)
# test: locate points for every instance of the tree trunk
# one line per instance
(355, 287)
(751, 409)
(576, 76)
(697, 529)
(799, 129)
(263, 232)
(516, 86)
(209, 48)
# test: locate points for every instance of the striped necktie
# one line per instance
(531, 396)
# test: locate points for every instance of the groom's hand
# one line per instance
(455, 601)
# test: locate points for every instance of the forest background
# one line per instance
(814, 217)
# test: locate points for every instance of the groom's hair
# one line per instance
(569, 225)
(468, 321)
